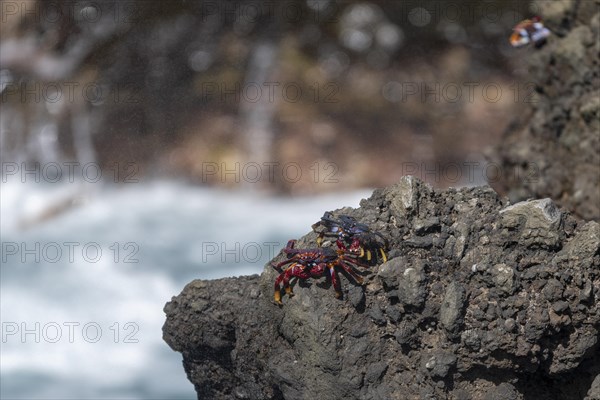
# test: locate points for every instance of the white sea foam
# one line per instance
(169, 225)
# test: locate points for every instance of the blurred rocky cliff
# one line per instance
(355, 93)
(553, 148)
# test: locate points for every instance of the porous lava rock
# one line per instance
(490, 301)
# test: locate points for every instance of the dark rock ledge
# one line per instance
(479, 300)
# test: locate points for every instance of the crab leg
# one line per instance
(320, 239)
(383, 256)
(284, 278)
(348, 268)
(334, 281)
(295, 270)
(299, 271)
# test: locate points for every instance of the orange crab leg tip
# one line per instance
(288, 290)
(277, 297)
(368, 255)
(338, 294)
(362, 252)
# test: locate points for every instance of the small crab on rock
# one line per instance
(352, 236)
(307, 263)
(529, 31)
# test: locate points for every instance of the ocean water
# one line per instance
(82, 287)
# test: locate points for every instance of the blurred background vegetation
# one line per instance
(357, 93)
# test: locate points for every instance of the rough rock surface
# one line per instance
(479, 300)
(553, 149)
